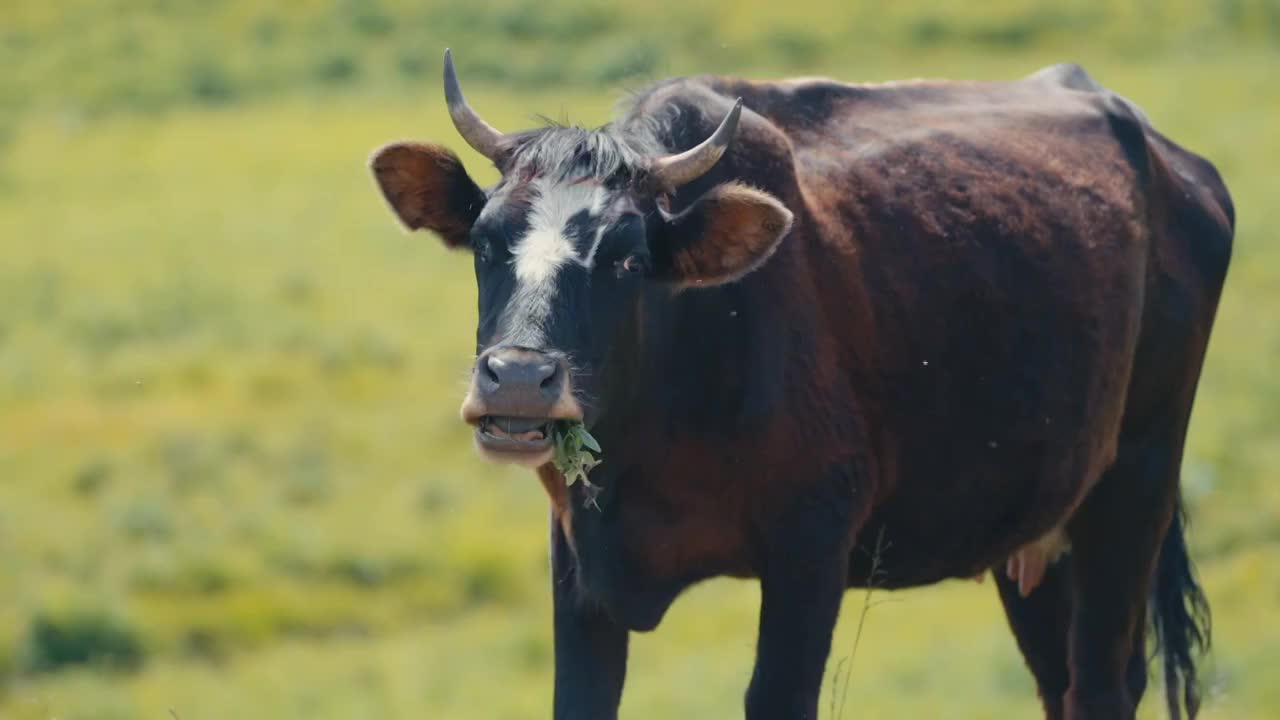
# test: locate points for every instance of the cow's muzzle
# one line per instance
(516, 397)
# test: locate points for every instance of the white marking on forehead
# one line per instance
(539, 255)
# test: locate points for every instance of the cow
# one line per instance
(960, 322)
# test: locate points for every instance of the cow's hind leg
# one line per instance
(1116, 537)
(1040, 622)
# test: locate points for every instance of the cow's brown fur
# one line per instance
(427, 187)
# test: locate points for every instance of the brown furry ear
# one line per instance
(725, 234)
(427, 187)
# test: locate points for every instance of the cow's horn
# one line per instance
(672, 171)
(479, 134)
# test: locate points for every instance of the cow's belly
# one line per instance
(932, 532)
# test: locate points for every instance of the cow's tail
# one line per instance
(1180, 616)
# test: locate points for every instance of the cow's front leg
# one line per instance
(801, 584)
(590, 648)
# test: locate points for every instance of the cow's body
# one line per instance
(984, 328)
(956, 317)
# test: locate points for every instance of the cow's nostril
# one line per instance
(549, 373)
(491, 367)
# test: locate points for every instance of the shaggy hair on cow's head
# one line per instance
(562, 153)
(615, 153)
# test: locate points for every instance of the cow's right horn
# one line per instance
(479, 134)
(672, 171)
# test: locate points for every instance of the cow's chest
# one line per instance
(640, 549)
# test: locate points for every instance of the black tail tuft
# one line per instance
(1180, 615)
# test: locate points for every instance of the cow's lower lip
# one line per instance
(514, 435)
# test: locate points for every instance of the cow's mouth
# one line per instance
(514, 435)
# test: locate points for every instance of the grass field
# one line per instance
(232, 481)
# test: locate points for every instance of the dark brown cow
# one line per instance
(967, 318)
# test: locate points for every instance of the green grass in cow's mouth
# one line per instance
(573, 458)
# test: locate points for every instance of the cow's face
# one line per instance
(563, 245)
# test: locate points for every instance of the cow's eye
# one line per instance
(631, 264)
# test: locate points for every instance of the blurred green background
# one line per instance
(232, 481)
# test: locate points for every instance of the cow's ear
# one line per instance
(427, 187)
(725, 234)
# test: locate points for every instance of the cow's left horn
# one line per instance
(672, 171)
(479, 134)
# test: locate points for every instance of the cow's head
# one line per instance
(563, 244)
